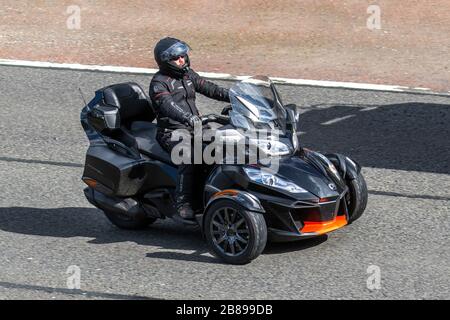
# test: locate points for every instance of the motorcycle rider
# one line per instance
(172, 91)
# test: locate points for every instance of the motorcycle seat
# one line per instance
(145, 134)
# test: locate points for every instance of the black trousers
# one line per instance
(184, 192)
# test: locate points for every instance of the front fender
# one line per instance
(348, 168)
(245, 199)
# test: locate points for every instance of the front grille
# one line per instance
(324, 212)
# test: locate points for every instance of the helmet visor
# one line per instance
(174, 51)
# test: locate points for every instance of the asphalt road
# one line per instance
(46, 225)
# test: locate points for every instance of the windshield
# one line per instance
(258, 110)
(256, 104)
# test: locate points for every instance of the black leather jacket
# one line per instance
(174, 99)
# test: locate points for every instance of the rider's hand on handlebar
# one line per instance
(208, 118)
(194, 121)
(215, 118)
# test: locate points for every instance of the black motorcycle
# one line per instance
(239, 206)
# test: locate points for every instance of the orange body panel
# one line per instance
(324, 226)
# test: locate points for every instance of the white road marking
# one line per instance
(76, 66)
(224, 76)
(327, 123)
(368, 109)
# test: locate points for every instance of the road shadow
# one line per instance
(408, 136)
(167, 237)
(73, 293)
(91, 223)
(285, 247)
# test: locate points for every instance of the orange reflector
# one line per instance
(324, 226)
(226, 192)
(90, 182)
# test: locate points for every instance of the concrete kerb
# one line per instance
(225, 76)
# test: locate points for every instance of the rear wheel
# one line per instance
(357, 197)
(129, 223)
(234, 234)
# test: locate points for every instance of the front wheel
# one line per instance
(234, 234)
(357, 197)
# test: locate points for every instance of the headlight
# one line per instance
(272, 180)
(271, 147)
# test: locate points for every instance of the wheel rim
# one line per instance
(229, 231)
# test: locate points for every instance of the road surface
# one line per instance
(46, 224)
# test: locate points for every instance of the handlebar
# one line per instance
(221, 119)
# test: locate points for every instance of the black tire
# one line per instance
(124, 222)
(254, 232)
(357, 200)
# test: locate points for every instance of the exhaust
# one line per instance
(126, 206)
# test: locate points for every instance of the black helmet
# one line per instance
(168, 49)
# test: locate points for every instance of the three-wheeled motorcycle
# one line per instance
(239, 206)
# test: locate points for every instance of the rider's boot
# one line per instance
(185, 210)
(184, 190)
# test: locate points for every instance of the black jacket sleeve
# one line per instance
(208, 88)
(163, 103)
